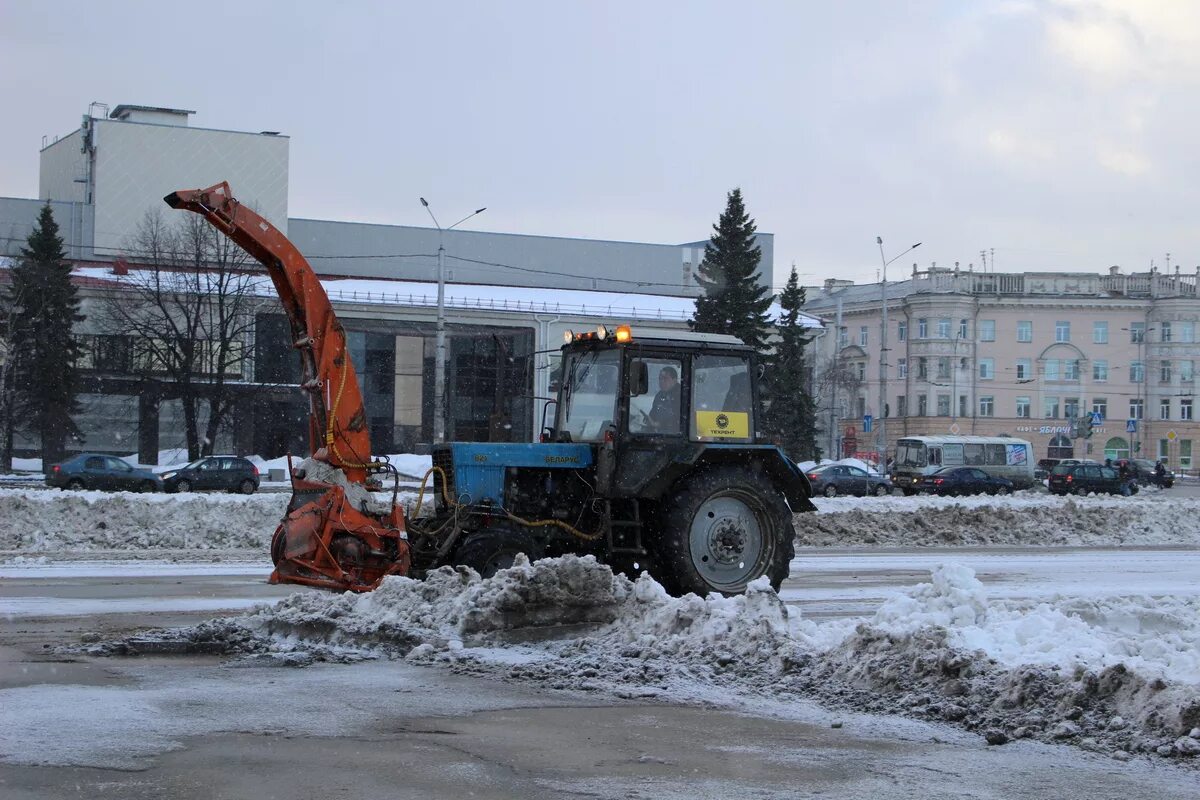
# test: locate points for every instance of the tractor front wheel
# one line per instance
(723, 529)
(496, 548)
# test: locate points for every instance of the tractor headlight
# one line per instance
(601, 332)
(568, 336)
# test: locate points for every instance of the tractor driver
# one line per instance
(664, 414)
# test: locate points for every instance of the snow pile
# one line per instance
(54, 523)
(1115, 675)
(1016, 520)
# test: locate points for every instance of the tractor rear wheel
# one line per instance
(722, 530)
(496, 548)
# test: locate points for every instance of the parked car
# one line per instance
(964, 480)
(103, 472)
(834, 479)
(1142, 470)
(1084, 479)
(227, 473)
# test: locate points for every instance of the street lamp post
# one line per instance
(883, 350)
(439, 366)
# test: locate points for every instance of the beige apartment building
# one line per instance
(1013, 353)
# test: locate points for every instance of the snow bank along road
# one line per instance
(64, 525)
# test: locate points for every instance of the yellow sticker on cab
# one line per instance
(723, 424)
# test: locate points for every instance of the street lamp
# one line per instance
(883, 350)
(439, 366)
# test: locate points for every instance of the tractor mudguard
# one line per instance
(776, 466)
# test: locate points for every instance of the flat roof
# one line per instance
(124, 108)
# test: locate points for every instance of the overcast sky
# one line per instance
(1060, 133)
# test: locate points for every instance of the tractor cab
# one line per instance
(665, 387)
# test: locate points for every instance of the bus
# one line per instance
(1002, 456)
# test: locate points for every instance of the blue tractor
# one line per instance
(652, 461)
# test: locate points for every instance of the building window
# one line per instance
(861, 407)
(1187, 332)
(1164, 329)
(1164, 446)
(1137, 372)
(1024, 369)
(1062, 331)
(962, 329)
(1185, 409)
(1071, 407)
(987, 330)
(1051, 370)
(943, 328)
(962, 405)
(843, 337)
(1164, 372)
(862, 336)
(1025, 330)
(1100, 406)
(943, 405)
(962, 364)
(1100, 333)
(902, 367)
(902, 332)
(901, 405)
(1100, 370)
(1185, 453)
(1186, 371)
(1137, 408)
(861, 370)
(1137, 332)
(922, 328)
(1050, 407)
(1164, 409)
(987, 369)
(943, 367)
(1060, 447)
(1071, 370)
(987, 406)
(1023, 407)
(923, 368)
(922, 405)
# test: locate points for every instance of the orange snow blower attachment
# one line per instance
(335, 534)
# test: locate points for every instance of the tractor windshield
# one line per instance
(589, 394)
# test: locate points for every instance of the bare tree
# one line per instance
(185, 313)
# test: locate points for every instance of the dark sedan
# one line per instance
(221, 473)
(964, 480)
(834, 479)
(1083, 479)
(99, 471)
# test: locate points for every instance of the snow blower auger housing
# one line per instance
(334, 534)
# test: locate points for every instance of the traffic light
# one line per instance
(1087, 426)
(1073, 428)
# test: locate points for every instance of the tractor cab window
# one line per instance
(658, 411)
(589, 394)
(722, 403)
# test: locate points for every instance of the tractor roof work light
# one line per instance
(568, 336)
(601, 332)
(624, 333)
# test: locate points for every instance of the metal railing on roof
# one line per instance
(608, 310)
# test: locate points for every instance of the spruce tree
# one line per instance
(45, 352)
(734, 301)
(791, 414)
